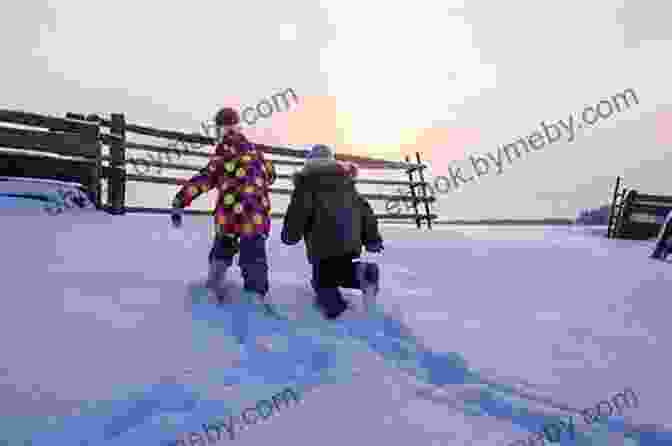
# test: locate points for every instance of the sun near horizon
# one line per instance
(318, 119)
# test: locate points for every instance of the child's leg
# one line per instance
(254, 264)
(368, 278)
(224, 248)
(314, 281)
(361, 276)
(326, 276)
(348, 273)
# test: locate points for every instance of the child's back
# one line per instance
(325, 211)
(335, 221)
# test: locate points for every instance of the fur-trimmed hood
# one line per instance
(327, 167)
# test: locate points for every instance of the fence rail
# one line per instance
(48, 122)
(195, 138)
(142, 161)
(66, 143)
(80, 139)
(148, 210)
(273, 190)
(653, 200)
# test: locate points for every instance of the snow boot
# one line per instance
(217, 275)
(368, 276)
(330, 302)
(255, 299)
(249, 297)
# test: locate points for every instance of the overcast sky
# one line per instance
(448, 79)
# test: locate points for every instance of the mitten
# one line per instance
(375, 246)
(176, 217)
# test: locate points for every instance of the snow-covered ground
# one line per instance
(103, 342)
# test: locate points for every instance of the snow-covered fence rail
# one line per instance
(637, 216)
(73, 148)
(80, 136)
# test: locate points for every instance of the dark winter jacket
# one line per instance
(370, 233)
(328, 213)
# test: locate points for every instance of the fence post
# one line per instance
(423, 187)
(98, 183)
(95, 187)
(410, 171)
(624, 212)
(91, 136)
(619, 210)
(117, 180)
(613, 207)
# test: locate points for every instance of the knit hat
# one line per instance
(227, 116)
(320, 152)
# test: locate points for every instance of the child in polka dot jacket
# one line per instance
(242, 176)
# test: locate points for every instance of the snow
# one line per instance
(102, 341)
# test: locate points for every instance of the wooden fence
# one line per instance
(79, 140)
(76, 146)
(636, 216)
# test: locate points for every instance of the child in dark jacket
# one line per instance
(335, 221)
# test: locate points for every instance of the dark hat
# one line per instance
(227, 116)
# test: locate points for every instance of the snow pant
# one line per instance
(328, 275)
(252, 260)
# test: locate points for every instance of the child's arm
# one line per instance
(271, 174)
(204, 181)
(370, 233)
(299, 213)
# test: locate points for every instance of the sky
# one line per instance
(381, 79)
